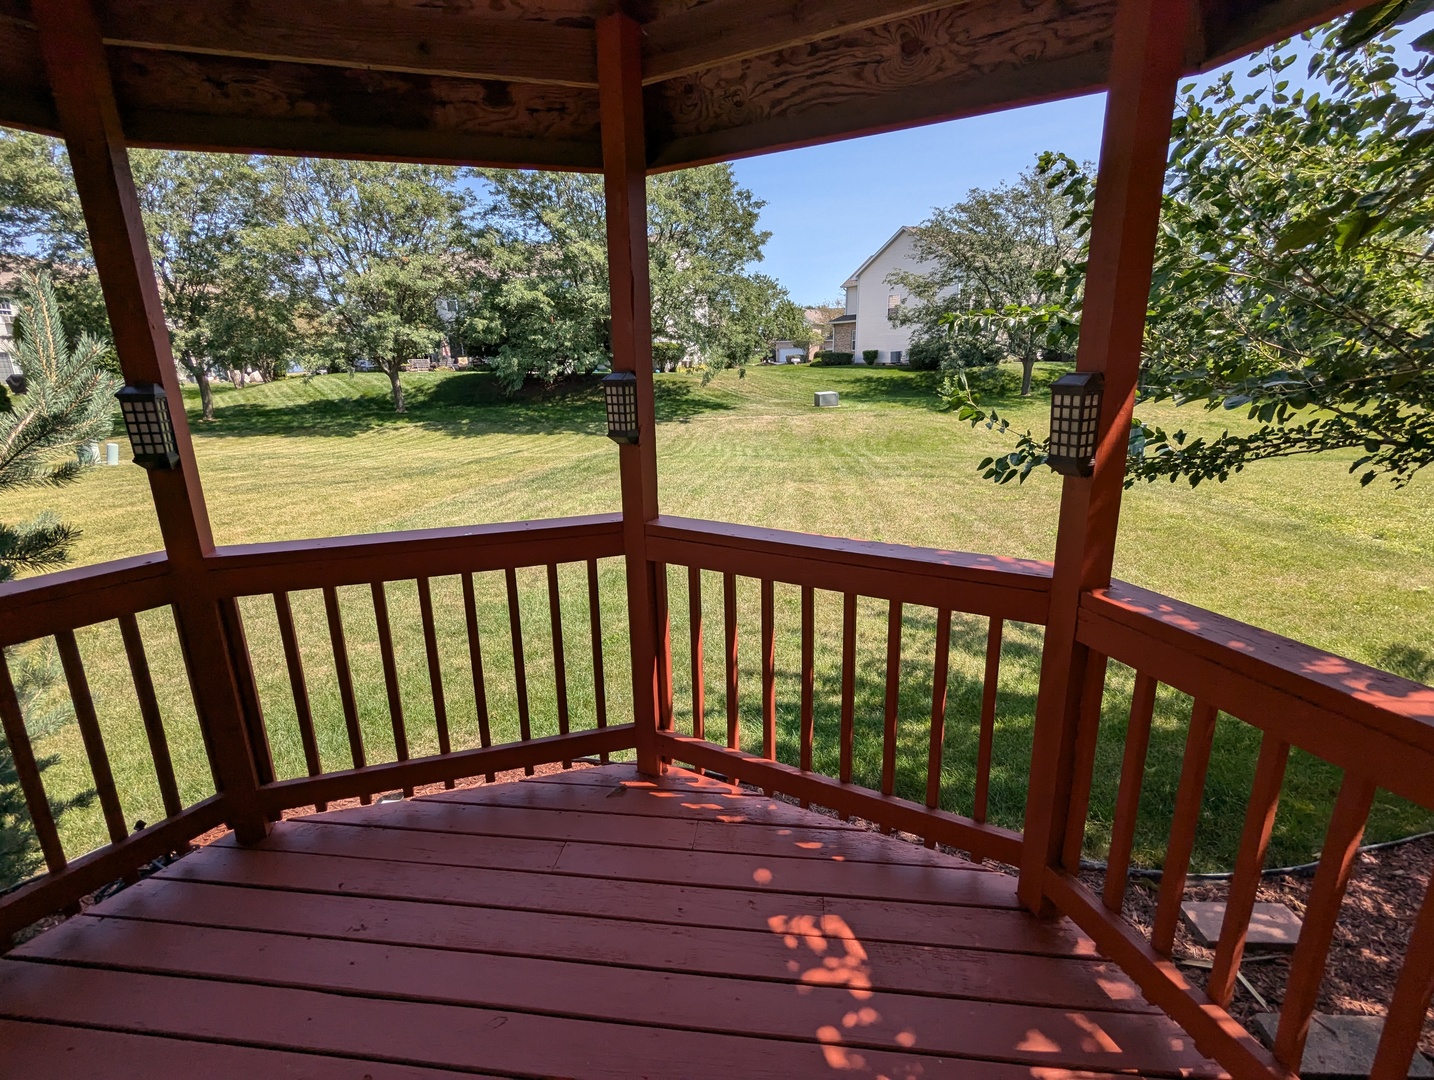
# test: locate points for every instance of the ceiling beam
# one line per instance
(343, 33)
(724, 31)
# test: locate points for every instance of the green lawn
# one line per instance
(1294, 546)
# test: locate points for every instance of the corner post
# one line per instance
(72, 51)
(1146, 63)
(624, 155)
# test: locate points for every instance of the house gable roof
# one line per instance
(852, 281)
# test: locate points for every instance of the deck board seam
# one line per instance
(854, 1042)
(481, 906)
(860, 857)
(778, 980)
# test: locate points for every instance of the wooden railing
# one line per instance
(1375, 727)
(47, 612)
(875, 758)
(904, 578)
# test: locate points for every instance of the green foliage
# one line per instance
(998, 251)
(667, 354)
(68, 400)
(870, 355)
(371, 247)
(1291, 277)
(539, 287)
(833, 358)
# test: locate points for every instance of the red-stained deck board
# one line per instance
(611, 932)
(47, 1050)
(982, 969)
(420, 1033)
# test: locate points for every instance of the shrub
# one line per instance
(832, 358)
(667, 354)
(870, 355)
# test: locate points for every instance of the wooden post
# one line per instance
(619, 45)
(1145, 66)
(72, 50)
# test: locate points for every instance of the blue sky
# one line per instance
(830, 207)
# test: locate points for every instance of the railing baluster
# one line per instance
(939, 676)
(1198, 742)
(475, 659)
(729, 626)
(1127, 799)
(847, 734)
(893, 692)
(520, 675)
(150, 715)
(303, 711)
(1087, 736)
(664, 649)
(91, 735)
(1254, 843)
(987, 735)
(27, 771)
(1410, 1004)
(560, 667)
(808, 676)
(595, 617)
(694, 623)
(435, 670)
(390, 674)
(1336, 862)
(345, 681)
(769, 671)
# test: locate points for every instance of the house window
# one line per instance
(896, 356)
(5, 306)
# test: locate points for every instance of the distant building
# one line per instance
(871, 301)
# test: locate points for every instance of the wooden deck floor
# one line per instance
(579, 925)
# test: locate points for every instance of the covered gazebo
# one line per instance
(672, 918)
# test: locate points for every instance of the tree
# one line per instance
(539, 298)
(222, 290)
(1292, 270)
(997, 249)
(372, 247)
(68, 400)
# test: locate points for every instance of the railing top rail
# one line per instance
(958, 565)
(66, 599)
(299, 564)
(1374, 698)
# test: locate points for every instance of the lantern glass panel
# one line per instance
(620, 395)
(146, 419)
(1075, 421)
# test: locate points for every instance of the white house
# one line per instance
(871, 301)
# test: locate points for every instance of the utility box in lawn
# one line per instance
(825, 399)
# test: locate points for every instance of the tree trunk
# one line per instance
(397, 387)
(1028, 365)
(206, 395)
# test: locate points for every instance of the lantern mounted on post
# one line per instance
(620, 393)
(146, 418)
(1075, 420)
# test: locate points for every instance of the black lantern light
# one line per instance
(620, 391)
(146, 418)
(1075, 416)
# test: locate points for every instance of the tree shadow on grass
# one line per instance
(472, 403)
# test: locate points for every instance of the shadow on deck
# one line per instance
(585, 924)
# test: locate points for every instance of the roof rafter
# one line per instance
(342, 33)
(724, 31)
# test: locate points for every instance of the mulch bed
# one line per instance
(1369, 941)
